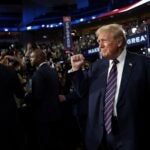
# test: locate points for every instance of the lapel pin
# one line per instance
(130, 64)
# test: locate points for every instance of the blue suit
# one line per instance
(132, 106)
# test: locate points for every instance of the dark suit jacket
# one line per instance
(132, 106)
(45, 109)
(9, 87)
(45, 90)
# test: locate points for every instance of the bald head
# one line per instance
(37, 57)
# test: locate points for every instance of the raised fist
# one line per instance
(77, 61)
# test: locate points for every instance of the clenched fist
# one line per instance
(77, 61)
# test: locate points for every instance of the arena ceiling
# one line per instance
(11, 11)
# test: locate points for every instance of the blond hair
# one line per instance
(116, 29)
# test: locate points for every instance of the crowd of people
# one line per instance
(54, 99)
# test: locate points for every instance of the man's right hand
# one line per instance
(77, 61)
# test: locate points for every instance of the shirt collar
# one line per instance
(121, 57)
(41, 64)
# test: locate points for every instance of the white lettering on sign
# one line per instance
(137, 39)
(93, 50)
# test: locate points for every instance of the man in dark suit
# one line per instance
(129, 121)
(10, 87)
(46, 112)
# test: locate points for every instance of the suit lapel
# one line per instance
(103, 78)
(100, 94)
(100, 80)
(128, 67)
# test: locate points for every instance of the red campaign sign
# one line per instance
(66, 19)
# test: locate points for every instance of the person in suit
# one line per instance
(129, 121)
(10, 88)
(45, 107)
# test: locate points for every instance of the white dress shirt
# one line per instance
(120, 67)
